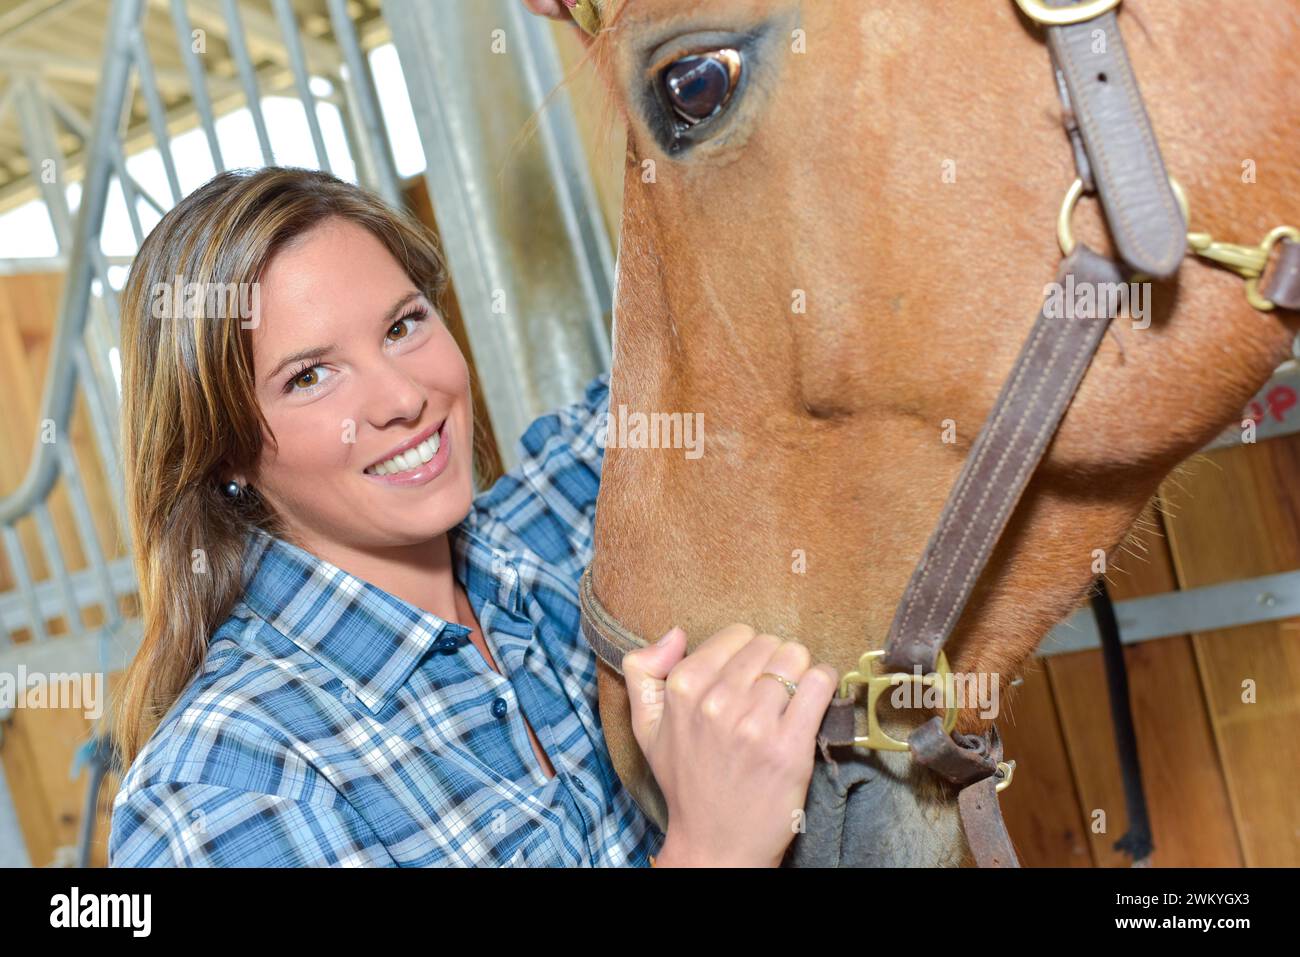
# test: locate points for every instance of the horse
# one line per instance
(834, 271)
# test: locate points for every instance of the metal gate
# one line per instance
(528, 253)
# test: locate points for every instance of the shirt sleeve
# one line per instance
(206, 825)
(549, 498)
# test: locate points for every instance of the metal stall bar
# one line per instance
(198, 86)
(376, 156)
(1184, 612)
(247, 76)
(58, 570)
(41, 142)
(132, 190)
(23, 575)
(41, 145)
(558, 133)
(525, 254)
(104, 410)
(157, 112)
(60, 381)
(14, 614)
(298, 63)
(87, 534)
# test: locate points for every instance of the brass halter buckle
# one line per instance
(877, 684)
(1040, 12)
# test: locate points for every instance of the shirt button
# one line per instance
(500, 707)
(577, 782)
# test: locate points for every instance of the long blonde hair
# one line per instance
(190, 415)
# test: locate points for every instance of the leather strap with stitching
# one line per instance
(1103, 102)
(1010, 445)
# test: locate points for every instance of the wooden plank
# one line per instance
(19, 295)
(1184, 783)
(35, 816)
(1040, 807)
(1234, 514)
(38, 750)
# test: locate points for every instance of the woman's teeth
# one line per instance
(410, 459)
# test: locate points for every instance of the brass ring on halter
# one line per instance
(790, 686)
(876, 738)
(1040, 12)
(1064, 219)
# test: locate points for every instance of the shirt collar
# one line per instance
(488, 573)
(369, 639)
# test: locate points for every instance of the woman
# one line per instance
(349, 660)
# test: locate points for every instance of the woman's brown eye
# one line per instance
(699, 86)
(307, 379)
(399, 325)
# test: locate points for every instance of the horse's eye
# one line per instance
(699, 86)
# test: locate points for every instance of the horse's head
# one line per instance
(837, 228)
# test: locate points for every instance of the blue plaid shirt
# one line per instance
(335, 724)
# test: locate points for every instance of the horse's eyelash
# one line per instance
(416, 313)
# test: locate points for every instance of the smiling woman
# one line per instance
(347, 658)
(313, 576)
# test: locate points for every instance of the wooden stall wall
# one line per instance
(1214, 712)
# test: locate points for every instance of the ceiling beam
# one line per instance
(263, 34)
(35, 13)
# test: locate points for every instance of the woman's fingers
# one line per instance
(644, 672)
(790, 661)
(717, 651)
(726, 674)
(803, 715)
(548, 8)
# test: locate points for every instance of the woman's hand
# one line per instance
(548, 8)
(731, 750)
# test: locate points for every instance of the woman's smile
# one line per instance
(416, 462)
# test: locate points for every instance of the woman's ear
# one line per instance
(226, 475)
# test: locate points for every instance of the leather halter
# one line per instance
(1117, 157)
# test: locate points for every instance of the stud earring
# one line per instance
(232, 489)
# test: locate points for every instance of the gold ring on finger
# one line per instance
(790, 686)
